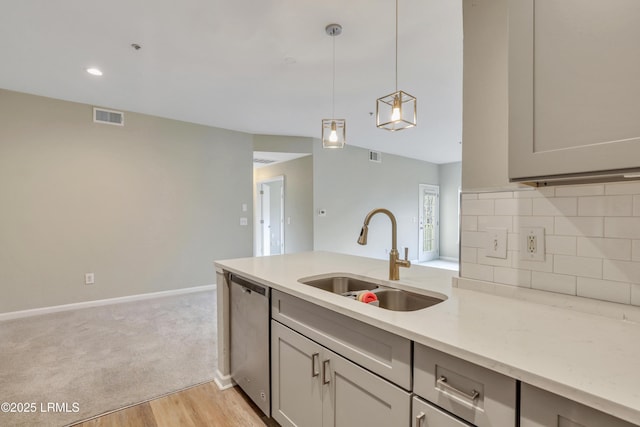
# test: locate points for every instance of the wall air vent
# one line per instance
(375, 156)
(263, 161)
(110, 117)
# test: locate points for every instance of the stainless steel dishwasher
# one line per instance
(249, 335)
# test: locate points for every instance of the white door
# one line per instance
(269, 226)
(429, 223)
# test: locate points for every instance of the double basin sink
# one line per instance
(388, 298)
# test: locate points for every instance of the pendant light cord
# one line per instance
(333, 85)
(396, 45)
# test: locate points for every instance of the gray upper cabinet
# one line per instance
(574, 88)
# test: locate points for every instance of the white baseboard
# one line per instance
(97, 303)
(223, 381)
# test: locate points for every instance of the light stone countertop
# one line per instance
(591, 359)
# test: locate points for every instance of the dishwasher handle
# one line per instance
(254, 287)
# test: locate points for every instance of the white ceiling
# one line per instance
(259, 66)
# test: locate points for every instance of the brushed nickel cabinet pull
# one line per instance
(473, 396)
(315, 371)
(325, 370)
(419, 419)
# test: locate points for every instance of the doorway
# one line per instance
(429, 223)
(269, 227)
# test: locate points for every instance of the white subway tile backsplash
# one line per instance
(469, 255)
(635, 294)
(477, 207)
(495, 221)
(580, 190)
(604, 290)
(546, 265)
(469, 223)
(555, 206)
(578, 266)
(579, 226)
(592, 235)
(473, 239)
(606, 206)
(513, 207)
(477, 271)
(622, 188)
(496, 195)
(534, 193)
(625, 227)
(635, 250)
(546, 222)
(512, 276)
(597, 247)
(621, 271)
(551, 282)
(561, 245)
(636, 205)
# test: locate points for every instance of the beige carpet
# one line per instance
(104, 358)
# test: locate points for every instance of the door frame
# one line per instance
(435, 254)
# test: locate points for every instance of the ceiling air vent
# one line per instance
(375, 156)
(110, 117)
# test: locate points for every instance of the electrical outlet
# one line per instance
(532, 243)
(496, 245)
(89, 279)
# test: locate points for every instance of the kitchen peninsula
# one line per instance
(589, 359)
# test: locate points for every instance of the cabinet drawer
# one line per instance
(539, 408)
(381, 352)
(473, 393)
(425, 414)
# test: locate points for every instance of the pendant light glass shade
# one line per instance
(333, 130)
(333, 133)
(398, 110)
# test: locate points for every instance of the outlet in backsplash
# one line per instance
(591, 232)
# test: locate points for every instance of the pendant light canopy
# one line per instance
(333, 130)
(398, 110)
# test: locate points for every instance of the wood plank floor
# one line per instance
(203, 405)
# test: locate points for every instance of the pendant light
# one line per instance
(333, 130)
(398, 110)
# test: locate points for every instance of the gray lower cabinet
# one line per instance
(539, 408)
(478, 395)
(313, 386)
(427, 415)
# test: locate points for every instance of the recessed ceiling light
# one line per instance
(94, 71)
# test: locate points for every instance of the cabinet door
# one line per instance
(295, 378)
(574, 91)
(426, 415)
(539, 408)
(354, 397)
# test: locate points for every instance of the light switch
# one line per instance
(243, 221)
(244, 207)
(496, 245)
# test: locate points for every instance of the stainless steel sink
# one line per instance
(399, 300)
(341, 284)
(388, 298)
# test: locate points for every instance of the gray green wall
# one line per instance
(146, 207)
(347, 185)
(450, 181)
(298, 201)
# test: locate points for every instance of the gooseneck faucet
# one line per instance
(394, 260)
